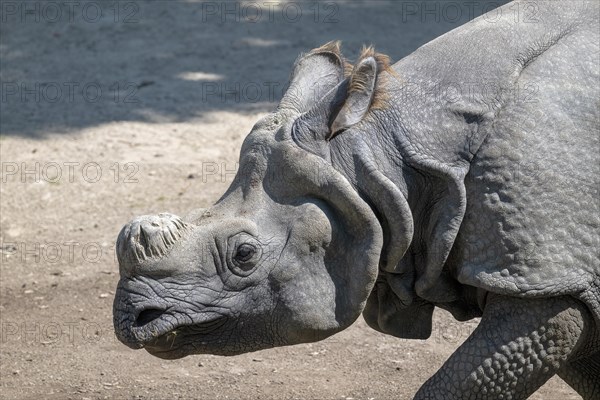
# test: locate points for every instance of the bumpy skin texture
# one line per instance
(517, 347)
(465, 177)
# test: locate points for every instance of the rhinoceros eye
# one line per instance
(244, 253)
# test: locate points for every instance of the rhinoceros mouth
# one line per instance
(154, 329)
(174, 338)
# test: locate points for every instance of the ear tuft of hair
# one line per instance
(334, 47)
(357, 83)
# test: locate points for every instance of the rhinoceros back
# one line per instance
(533, 216)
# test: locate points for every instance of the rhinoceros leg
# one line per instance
(583, 375)
(517, 347)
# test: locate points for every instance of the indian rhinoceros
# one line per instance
(464, 177)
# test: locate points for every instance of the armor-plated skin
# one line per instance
(465, 176)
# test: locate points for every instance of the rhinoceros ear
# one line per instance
(345, 105)
(313, 75)
(360, 94)
(364, 92)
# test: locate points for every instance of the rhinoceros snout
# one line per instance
(149, 237)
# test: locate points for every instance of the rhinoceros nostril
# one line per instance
(148, 315)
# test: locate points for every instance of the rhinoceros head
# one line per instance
(288, 255)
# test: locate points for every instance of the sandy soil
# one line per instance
(142, 110)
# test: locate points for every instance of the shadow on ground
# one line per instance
(71, 65)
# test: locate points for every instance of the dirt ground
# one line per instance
(111, 110)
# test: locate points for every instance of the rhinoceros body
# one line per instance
(465, 176)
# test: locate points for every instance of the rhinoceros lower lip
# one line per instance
(169, 338)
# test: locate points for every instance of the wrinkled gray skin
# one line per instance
(380, 192)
